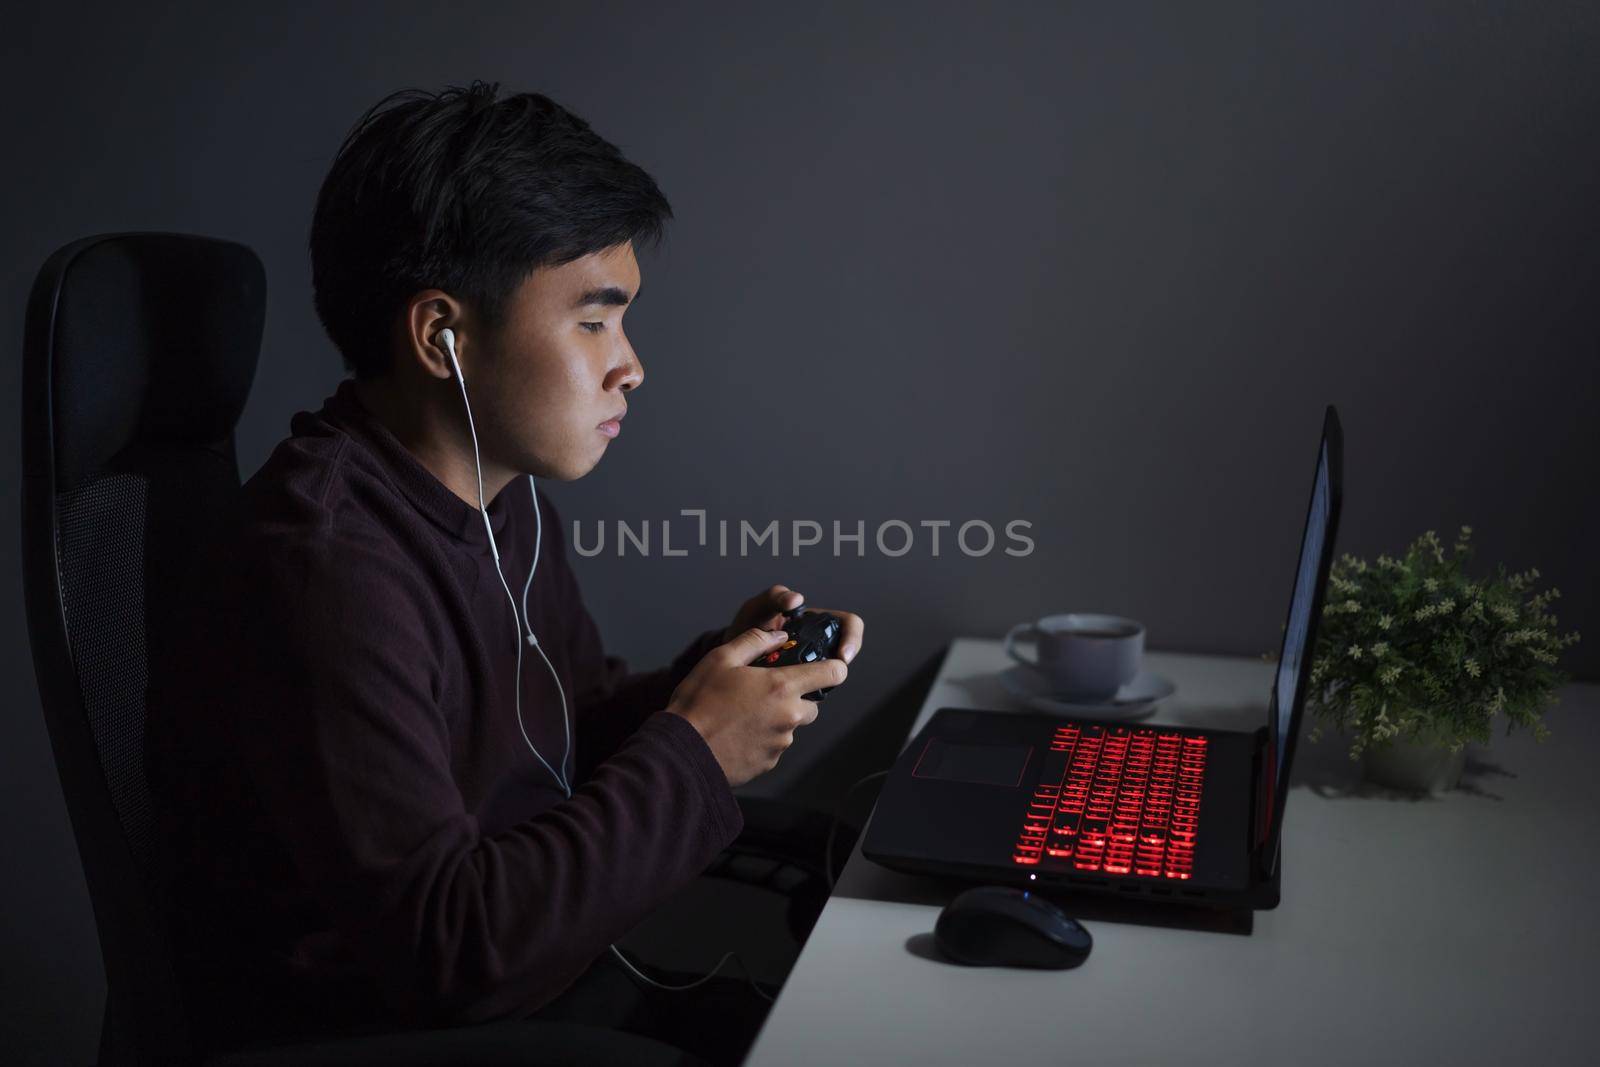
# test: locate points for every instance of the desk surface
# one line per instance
(1454, 929)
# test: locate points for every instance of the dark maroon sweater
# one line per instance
(354, 833)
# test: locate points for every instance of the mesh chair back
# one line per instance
(138, 356)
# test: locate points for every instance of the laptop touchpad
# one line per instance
(978, 764)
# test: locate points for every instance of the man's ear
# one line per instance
(426, 314)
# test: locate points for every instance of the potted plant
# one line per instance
(1414, 659)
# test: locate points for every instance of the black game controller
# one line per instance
(813, 635)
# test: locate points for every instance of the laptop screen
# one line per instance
(1299, 634)
(1295, 632)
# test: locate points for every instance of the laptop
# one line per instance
(1166, 813)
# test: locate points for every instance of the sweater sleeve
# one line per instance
(349, 755)
(614, 703)
(610, 702)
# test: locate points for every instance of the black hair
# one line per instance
(467, 193)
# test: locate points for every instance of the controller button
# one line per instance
(772, 657)
(790, 644)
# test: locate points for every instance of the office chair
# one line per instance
(139, 352)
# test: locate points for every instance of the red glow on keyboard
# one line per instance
(1117, 800)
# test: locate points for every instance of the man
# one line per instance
(386, 800)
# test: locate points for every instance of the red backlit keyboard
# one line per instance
(1118, 800)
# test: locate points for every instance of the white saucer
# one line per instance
(1133, 701)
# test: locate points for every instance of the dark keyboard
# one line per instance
(1117, 799)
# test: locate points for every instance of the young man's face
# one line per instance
(560, 366)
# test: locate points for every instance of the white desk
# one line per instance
(1455, 930)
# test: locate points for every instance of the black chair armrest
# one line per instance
(781, 849)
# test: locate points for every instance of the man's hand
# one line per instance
(764, 611)
(748, 715)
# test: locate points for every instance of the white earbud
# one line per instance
(448, 336)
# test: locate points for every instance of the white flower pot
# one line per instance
(1413, 767)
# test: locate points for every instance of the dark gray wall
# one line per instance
(1092, 267)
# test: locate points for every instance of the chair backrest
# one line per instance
(139, 352)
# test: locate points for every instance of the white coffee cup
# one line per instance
(1085, 657)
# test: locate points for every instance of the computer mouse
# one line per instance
(999, 926)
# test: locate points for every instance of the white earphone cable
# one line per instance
(523, 624)
(488, 529)
(538, 537)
